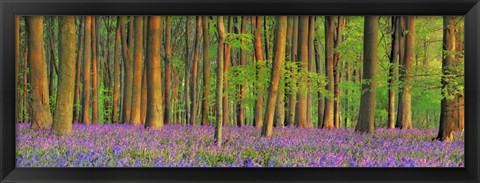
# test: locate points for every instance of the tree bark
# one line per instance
(328, 121)
(366, 117)
(95, 89)
(260, 63)
(393, 71)
(168, 71)
(447, 119)
(405, 101)
(206, 71)
(62, 121)
(301, 107)
(292, 102)
(154, 118)
(137, 72)
(219, 96)
(196, 55)
(116, 73)
(41, 116)
(279, 56)
(87, 70)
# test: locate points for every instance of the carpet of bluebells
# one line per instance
(188, 146)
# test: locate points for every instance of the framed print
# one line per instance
(185, 91)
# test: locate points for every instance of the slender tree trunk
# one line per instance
(219, 96)
(393, 71)
(128, 65)
(26, 104)
(328, 121)
(77, 98)
(137, 72)
(293, 93)
(260, 62)
(196, 55)
(321, 98)
(206, 71)
(168, 71)
(279, 56)
(116, 73)
(401, 72)
(241, 105)
(336, 71)
(228, 57)
(17, 66)
(186, 85)
(95, 89)
(87, 70)
(367, 101)
(154, 118)
(447, 121)
(311, 62)
(143, 109)
(62, 121)
(405, 101)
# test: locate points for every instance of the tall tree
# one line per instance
(447, 116)
(206, 71)
(336, 71)
(311, 63)
(219, 103)
(77, 98)
(241, 104)
(168, 70)
(62, 120)
(404, 119)
(367, 101)
(128, 65)
(154, 104)
(41, 116)
(393, 70)
(301, 108)
(279, 56)
(95, 76)
(137, 72)
(228, 58)
(116, 73)
(329, 104)
(259, 57)
(17, 66)
(87, 70)
(293, 94)
(196, 55)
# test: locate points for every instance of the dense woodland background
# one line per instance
(299, 71)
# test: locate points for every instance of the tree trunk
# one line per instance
(225, 100)
(393, 71)
(137, 72)
(116, 73)
(367, 101)
(405, 101)
(26, 104)
(328, 121)
(447, 119)
(206, 71)
(292, 102)
(279, 56)
(41, 116)
(143, 109)
(154, 118)
(17, 66)
(336, 72)
(301, 107)
(168, 71)
(87, 70)
(128, 77)
(95, 89)
(311, 62)
(260, 62)
(193, 117)
(62, 121)
(401, 71)
(219, 103)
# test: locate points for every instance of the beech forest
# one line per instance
(239, 91)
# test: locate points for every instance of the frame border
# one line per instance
(11, 8)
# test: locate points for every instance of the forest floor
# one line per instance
(188, 146)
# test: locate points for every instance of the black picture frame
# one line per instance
(11, 8)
